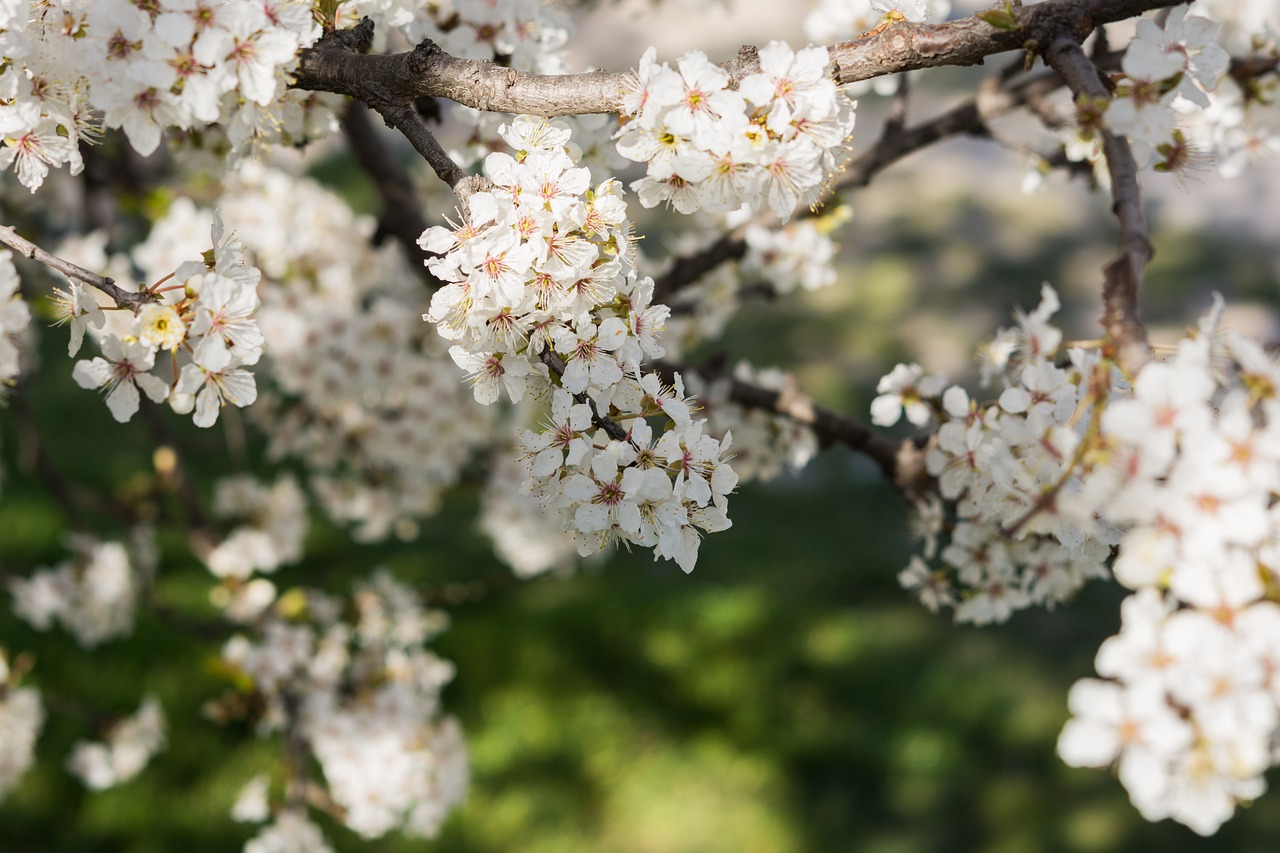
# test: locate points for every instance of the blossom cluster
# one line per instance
(72, 66)
(124, 752)
(1176, 101)
(797, 256)
(356, 682)
(14, 318)
(270, 523)
(21, 718)
(1190, 708)
(1179, 61)
(1004, 541)
(290, 832)
(205, 322)
(778, 137)
(542, 272)
(765, 446)
(93, 595)
(362, 394)
(357, 390)
(1177, 472)
(273, 522)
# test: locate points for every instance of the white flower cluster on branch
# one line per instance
(124, 752)
(777, 137)
(355, 683)
(1179, 472)
(359, 391)
(206, 323)
(1164, 65)
(1004, 470)
(1086, 462)
(542, 271)
(74, 66)
(1190, 711)
(1178, 99)
(93, 595)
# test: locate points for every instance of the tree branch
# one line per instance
(123, 298)
(400, 114)
(1126, 334)
(968, 41)
(334, 64)
(901, 464)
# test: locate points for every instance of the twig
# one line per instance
(296, 765)
(123, 298)
(1123, 275)
(401, 115)
(405, 119)
(901, 464)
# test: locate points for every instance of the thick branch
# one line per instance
(1123, 276)
(123, 298)
(335, 65)
(969, 41)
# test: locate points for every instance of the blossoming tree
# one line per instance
(552, 348)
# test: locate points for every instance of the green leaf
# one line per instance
(1001, 19)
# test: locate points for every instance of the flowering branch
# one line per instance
(995, 97)
(1123, 275)
(123, 298)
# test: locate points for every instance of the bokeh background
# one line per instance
(787, 695)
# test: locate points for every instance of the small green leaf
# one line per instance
(1001, 19)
